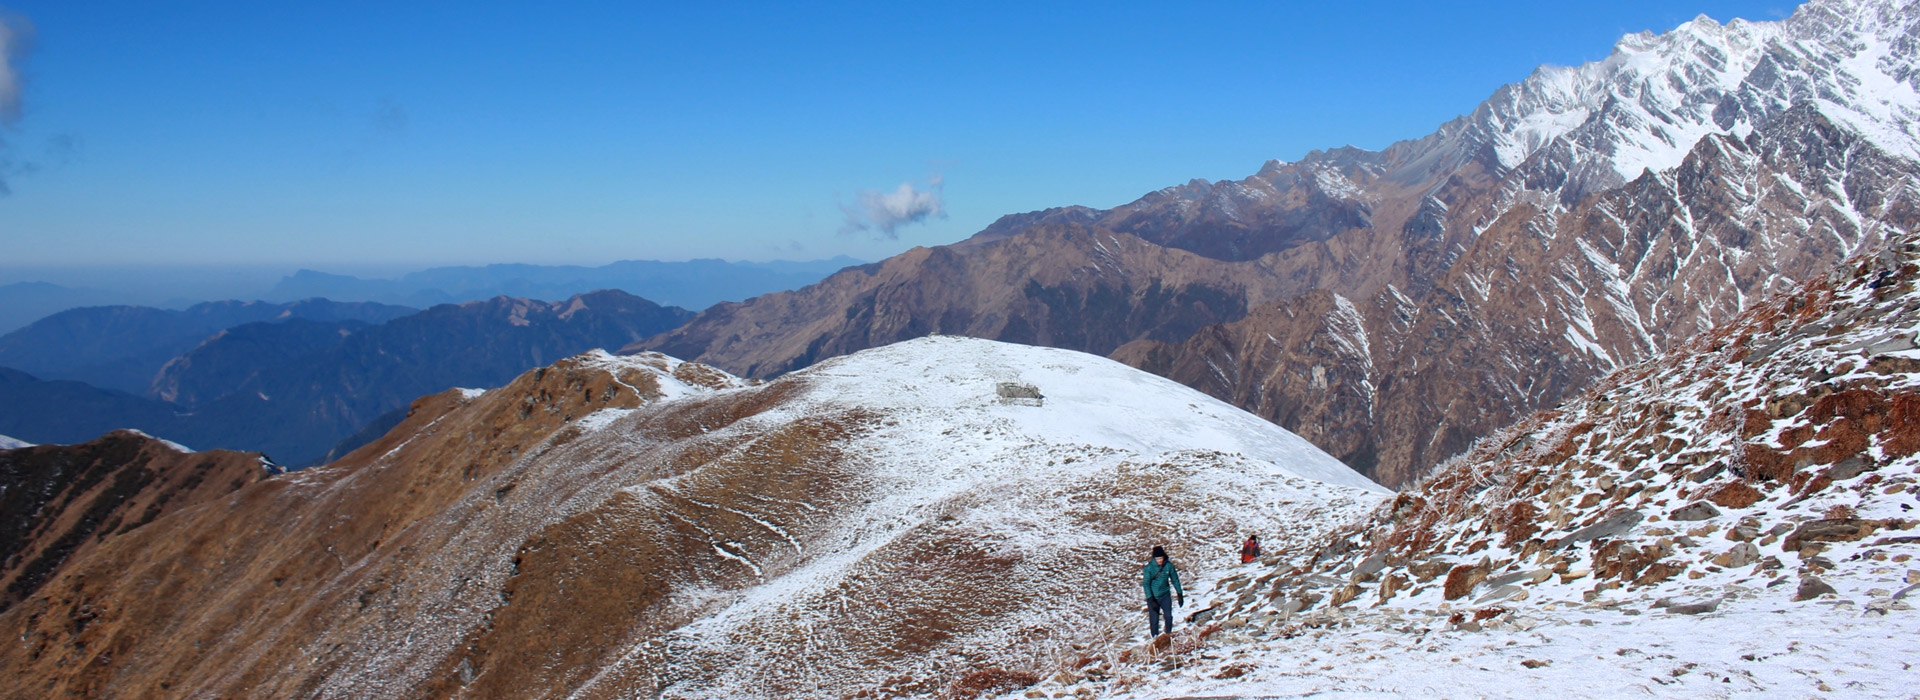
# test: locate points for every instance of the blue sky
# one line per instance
(346, 135)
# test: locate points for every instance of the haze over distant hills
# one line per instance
(694, 284)
(288, 380)
(22, 303)
(28, 294)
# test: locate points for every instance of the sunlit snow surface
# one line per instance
(1088, 400)
(7, 443)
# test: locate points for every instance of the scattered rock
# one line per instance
(1201, 618)
(1428, 570)
(1536, 663)
(1372, 565)
(1507, 592)
(1506, 578)
(1391, 586)
(1740, 555)
(1694, 608)
(1699, 510)
(1345, 594)
(1849, 468)
(1812, 587)
(1829, 530)
(1735, 494)
(1461, 580)
(1610, 526)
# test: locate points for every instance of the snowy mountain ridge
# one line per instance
(940, 516)
(1736, 516)
(1646, 105)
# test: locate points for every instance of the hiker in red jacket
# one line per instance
(1250, 550)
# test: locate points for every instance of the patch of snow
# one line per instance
(177, 447)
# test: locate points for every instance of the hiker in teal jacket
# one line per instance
(1162, 584)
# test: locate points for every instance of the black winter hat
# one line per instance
(1159, 553)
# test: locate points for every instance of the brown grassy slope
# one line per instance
(245, 593)
(59, 502)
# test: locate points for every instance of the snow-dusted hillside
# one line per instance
(884, 523)
(1736, 517)
(7, 443)
(1065, 493)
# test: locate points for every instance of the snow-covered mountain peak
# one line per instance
(1646, 104)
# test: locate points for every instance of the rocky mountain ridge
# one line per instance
(1542, 302)
(60, 502)
(1721, 518)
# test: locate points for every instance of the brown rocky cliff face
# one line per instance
(60, 502)
(1541, 302)
(1065, 286)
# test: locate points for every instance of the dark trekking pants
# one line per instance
(1158, 608)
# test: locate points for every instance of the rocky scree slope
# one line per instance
(1578, 221)
(1735, 516)
(60, 502)
(882, 523)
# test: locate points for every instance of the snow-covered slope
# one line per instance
(1736, 517)
(1088, 400)
(1038, 484)
(7, 443)
(941, 516)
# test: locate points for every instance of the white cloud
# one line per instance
(888, 211)
(16, 33)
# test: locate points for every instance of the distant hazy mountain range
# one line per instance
(123, 347)
(22, 303)
(694, 284)
(290, 380)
